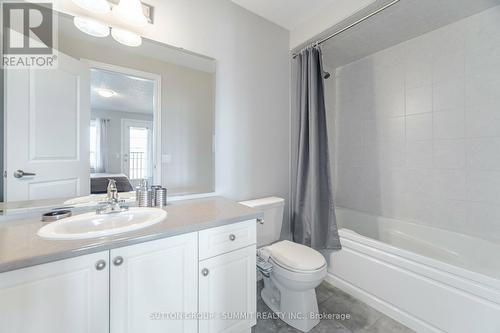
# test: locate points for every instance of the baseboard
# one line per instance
(388, 309)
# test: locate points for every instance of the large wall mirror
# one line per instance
(108, 112)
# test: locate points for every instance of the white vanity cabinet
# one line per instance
(228, 291)
(156, 286)
(227, 283)
(70, 295)
(153, 282)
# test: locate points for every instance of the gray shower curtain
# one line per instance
(313, 214)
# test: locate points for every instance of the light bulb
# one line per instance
(126, 37)
(91, 27)
(95, 6)
(107, 93)
(130, 12)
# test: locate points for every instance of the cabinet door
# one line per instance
(227, 291)
(70, 295)
(153, 284)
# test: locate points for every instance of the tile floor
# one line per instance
(364, 319)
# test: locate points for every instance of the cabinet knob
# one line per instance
(232, 237)
(100, 265)
(118, 261)
(205, 271)
(260, 221)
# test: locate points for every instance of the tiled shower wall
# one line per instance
(417, 129)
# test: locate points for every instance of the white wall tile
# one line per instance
(482, 40)
(450, 214)
(391, 154)
(419, 127)
(419, 100)
(449, 184)
(482, 93)
(387, 129)
(350, 129)
(418, 62)
(449, 53)
(420, 209)
(482, 123)
(390, 104)
(419, 154)
(448, 66)
(483, 186)
(351, 155)
(418, 73)
(449, 154)
(429, 113)
(482, 220)
(483, 154)
(420, 182)
(448, 95)
(349, 187)
(449, 124)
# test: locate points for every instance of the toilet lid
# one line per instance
(296, 256)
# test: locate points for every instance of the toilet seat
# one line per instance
(296, 257)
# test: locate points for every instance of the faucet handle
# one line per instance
(112, 190)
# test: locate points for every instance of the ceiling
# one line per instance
(286, 13)
(405, 20)
(133, 94)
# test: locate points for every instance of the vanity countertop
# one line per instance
(20, 246)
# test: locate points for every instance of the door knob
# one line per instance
(100, 265)
(118, 261)
(21, 174)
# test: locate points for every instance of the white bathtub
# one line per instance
(432, 280)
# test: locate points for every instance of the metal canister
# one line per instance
(160, 197)
(144, 197)
(153, 189)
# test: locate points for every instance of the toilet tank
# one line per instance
(268, 230)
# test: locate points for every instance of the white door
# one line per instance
(152, 283)
(64, 296)
(47, 117)
(137, 150)
(227, 289)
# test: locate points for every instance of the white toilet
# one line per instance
(297, 270)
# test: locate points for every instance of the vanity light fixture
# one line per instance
(95, 6)
(130, 12)
(91, 27)
(126, 37)
(106, 93)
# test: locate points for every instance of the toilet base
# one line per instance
(298, 309)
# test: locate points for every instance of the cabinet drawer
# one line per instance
(215, 241)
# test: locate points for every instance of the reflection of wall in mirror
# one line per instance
(188, 107)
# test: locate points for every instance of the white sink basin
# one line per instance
(91, 225)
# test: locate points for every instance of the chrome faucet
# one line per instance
(112, 203)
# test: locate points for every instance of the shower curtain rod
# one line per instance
(321, 41)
